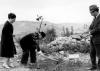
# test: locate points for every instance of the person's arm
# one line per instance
(38, 48)
(96, 29)
(39, 52)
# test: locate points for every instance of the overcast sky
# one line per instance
(57, 11)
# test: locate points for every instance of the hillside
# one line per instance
(21, 27)
(27, 26)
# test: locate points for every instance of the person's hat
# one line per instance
(93, 7)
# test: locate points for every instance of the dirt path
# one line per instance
(51, 65)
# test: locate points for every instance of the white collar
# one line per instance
(97, 15)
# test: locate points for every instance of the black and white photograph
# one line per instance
(49, 35)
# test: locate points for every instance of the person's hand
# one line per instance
(40, 53)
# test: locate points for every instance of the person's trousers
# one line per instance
(92, 53)
(26, 54)
(95, 51)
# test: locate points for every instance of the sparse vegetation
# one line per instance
(50, 35)
(67, 32)
(65, 44)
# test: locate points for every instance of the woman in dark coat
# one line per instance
(7, 44)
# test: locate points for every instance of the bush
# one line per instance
(81, 47)
(50, 35)
(67, 44)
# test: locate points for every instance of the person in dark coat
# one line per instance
(95, 37)
(29, 46)
(7, 44)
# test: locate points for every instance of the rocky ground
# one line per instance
(56, 60)
(72, 62)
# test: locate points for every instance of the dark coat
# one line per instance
(7, 44)
(95, 30)
(95, 39)
(30, 42)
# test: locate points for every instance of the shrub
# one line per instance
(66, 44)
(50, 35)
(81, 47)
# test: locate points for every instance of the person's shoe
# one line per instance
(33, 65)
(98, 67)
(92, 68)
(5, 66)
(24, 65)
(11, 65)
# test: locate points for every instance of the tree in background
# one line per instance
(50, 35)
(64, 32)
(72, 30)
(67, 32)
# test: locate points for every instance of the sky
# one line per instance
(56, 11)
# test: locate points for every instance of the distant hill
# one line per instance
(29, 26)
(22, 27)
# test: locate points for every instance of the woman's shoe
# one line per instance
(11, 65)
(23, 65)
(92, 68)
(5, 66)
(34, 65)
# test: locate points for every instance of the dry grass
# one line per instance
(47, 64)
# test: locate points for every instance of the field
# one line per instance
(55, 61)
